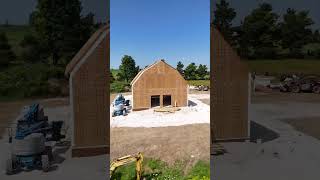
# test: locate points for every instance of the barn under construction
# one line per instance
(159, 85)
(230, 92)
(89, 97)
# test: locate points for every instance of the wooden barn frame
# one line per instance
(230, 92)
(89, 96)
(159, 85)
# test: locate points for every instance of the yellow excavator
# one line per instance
(126, 160)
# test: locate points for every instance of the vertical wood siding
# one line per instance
(91, 99)
(160, 79)
(229, 94)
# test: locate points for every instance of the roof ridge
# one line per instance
(146, 68)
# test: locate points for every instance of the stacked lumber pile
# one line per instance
(167, 109)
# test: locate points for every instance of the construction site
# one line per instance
(238, 117)
(62, 137)
(272, 132)
(158, 116)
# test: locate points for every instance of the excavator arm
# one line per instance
(126, 160)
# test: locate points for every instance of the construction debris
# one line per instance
(218, 149)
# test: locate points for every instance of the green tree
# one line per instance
(128, 69)
(296, 31)
(180, 68)
(316, 36)
(112, 79)
(59, 26)
(202, 71)
(88, 26)
(223, 16)
(31, 49)
(191, 72)
(6, 53)
(260, 32)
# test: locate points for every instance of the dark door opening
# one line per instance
(155, 101)
(167, 100)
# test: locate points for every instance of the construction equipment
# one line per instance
(203, 88)
(120, 106)
(29, 149)
(126, 160)
(304, 84)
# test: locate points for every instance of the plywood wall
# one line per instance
(229, 94)
(160, 79)
(91, 99)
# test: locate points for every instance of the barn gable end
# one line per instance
(158, 85)
(230, 92)
(89, 98)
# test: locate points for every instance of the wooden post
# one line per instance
(161, 100)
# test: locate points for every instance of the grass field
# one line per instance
(277, 67)
(156, 169)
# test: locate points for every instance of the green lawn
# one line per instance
(277, 67)
(156, 169)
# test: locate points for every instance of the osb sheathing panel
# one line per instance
(229, 96)
(160, 79)
(91, 99)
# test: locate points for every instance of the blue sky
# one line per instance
(149, 30)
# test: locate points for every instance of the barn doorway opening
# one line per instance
(155, 101)
(167, 100)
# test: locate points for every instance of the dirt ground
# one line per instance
(189, 143)
(279, 97)
(308, 125)
(206, 101)
(289, 125)
(170, 144)
(304, 123)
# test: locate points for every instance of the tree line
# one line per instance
(193, 72)
(128, 70)
(56, 31)
(264, 34)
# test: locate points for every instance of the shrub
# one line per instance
(119, 86)
(201, 171)
(28, 80)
